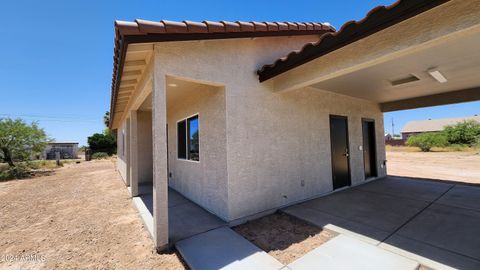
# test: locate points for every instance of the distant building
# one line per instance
(432, 125)
(67, 150)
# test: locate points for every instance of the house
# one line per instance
(67, 150)
(244, 118)
(432, 125)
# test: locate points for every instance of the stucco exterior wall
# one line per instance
(204, 182)
(277, 144)
(122, 151)
(145, 154)
(282, 146)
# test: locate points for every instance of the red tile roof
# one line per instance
(376, 20)
(150, 31)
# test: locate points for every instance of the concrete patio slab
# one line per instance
(450, 228)
(428, 255)
(175, 199)
(462, 196)
(145, 214)
(188, 219)
(379, 211)
(336, 224)
(441, 232)
(223, 248)
(343, 252)
(407, 188)
(185, 218)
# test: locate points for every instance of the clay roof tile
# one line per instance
(196, 27)
(175, 27)
(246, 26)
(214, 27)
(231, 26)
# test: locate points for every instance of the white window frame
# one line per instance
(186, 137)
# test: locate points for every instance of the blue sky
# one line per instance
(56, 56)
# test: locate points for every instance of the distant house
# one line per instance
(432, 125)
(67, 150)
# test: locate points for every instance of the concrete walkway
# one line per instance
(344, 252)
(434, 223)
(224, 249)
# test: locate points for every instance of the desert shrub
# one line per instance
(103, 142)
(20, 140)
(19, 171)
(466, 132)
(100, 155)
(457, 147)
(426, 141)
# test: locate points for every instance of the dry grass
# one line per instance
(453, 148)
(284, 237)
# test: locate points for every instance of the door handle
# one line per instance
(346, 154)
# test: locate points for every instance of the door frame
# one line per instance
(370, 120)
(333, 116)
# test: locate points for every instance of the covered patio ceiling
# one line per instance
(392, 67)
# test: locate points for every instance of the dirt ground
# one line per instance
(454, 166)
(284, 237)
(80, 217)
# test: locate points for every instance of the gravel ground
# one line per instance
(454, 166)
(284, 237)
(81, 217)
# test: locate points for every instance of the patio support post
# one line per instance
(127, 151)
(134, 153)
(160, 177)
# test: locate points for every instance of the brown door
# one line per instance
(369, 149)
(340, 151)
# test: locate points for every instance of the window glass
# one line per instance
(193, 140)
(182, 139)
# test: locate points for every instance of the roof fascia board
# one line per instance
(377, 20)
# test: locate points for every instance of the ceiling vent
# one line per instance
(410, 78)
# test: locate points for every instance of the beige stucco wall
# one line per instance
(203, 182)
(282, 140)
(122, 151)
(145, 154)
(274, 141)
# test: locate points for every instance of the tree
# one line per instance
(103, 142)
(106, 119)
(426, 141)
(466, 132)
(19, 140)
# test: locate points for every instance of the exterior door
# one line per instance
(340, 151)
(369, 149)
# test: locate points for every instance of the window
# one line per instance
(188, 139)
(182, 139)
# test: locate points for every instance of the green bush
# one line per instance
(426, 141)
(103, 142)
(466, 132)
(100, 155)
(20, 171)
